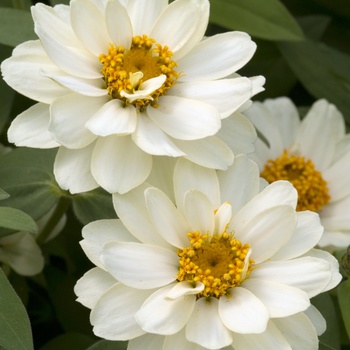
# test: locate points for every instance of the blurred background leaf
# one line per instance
(17, 220)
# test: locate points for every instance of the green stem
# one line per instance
(62, 207)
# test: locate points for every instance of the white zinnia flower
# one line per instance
(223, 266)
(313, 154)
(121, 81)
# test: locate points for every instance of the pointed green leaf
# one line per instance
(109, 345)
(268, 19)
(93, 205)
(14, 322)
(343, 291)
(27, 175)
(16, 26)
(323, 71)
(17, 220)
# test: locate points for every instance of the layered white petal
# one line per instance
(188, 175)
(185, 288)
(217, 57)
(90, 288)
(181, 25)
(68, 117)
(210, 152)
(30, 128)
(162, 315)
(185, 119)
(317, 319)
(168, 221)
(147, 341)
(227, 95)
(113, 315)
(113, 118)
(72, 169)
(205, 325)
(151, 139)
(140, 265)
(118, 165)
(243, 312)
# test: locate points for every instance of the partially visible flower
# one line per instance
(121, 82)
(313, 154)
(224, 264)
(21, 252)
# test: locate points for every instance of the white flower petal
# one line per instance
(97, 233)
(181, 25)
(68, 117)
(113, 315)
(323, 122)
(306, 235)
(210, 152)
(113, 118)
(298, 331)
(118, 165)
(89, 26)
(199, 212)
(266, 232)
(30, 128)
(61, 44)
(226, 95)
(223, 217)
(217, 57)
(168, 221)
(140, 265)
(310, 274)
(270, 339)
(185, 288)
(92, 286)
(162, 315)
(22, 253)
(239, 183)
(188, 175)
(147, 341)
(317, 319)
(151, 139)
(23, 72)
(238, 133)
(335, 215)
(185, 119)
(72, 169)
(206, 317)
(144, 14)
(133, 205)
(243, 312)
(281, 300)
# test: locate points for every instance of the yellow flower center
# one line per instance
(312, 189)
(125, 71)
(220, 262)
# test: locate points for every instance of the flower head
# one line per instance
(118, 83)
(313, 154)
(220, 264)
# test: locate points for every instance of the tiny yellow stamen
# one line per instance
(124, 70)
(312, 189)
(220, 262)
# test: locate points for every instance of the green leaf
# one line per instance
(27, 175)
(76, 341)
(17, 220)
(343, 291)
(93, 205)
(323, 71)
(14, 322)
(314, 26)
(330, 338)
(16, 26)
(268, 19)
(109, 345)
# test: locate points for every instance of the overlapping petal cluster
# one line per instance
(119, 82)
(137, 290)
(320, 139)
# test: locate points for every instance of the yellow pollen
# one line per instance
(312, 189)
(220, 262)
(145, 56)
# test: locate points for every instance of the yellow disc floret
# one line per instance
(124, 70)
(312, 189)
(220, 262)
